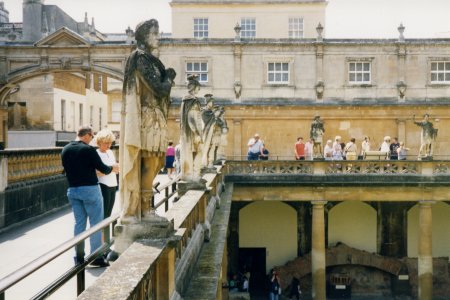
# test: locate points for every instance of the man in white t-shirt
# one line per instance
(255, 148)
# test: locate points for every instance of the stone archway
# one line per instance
(353, 223)
(62, 51)
(341, 255)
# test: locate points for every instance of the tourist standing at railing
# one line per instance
(299, 149)
(255, 148)
(328, 150)
(351, 150)
(385, 146)
(108, 182)
(393, 148)
(337, 148)
(402, 151)
(265, 153)
(309, 149)
(365, 146)
(80, 162)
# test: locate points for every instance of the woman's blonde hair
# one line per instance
(105, 136)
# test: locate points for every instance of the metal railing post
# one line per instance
(81, 282)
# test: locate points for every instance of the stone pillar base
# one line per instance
(208, 170)
(155, 227)
(184, 186)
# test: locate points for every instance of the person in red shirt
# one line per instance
(299, 149)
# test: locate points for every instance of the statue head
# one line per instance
(193, 84)
(209, 100)
(147, 34)
(426, 117)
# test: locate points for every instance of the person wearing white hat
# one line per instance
(385, 145)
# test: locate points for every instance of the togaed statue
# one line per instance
(427, 138)
(214, 126)
(191, 133)
(316, 134)
(146, 100)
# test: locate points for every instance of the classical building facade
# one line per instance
(271, 65)
(77, 97)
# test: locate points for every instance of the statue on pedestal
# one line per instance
(427, 138)
(214, 126)
(316, 134)
(146, 100)
(192, 140)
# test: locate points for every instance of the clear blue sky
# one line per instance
(344, 18)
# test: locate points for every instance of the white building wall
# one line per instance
(272, 20)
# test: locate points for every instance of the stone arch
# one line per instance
(441, 223)
(271, 225)
(339, 255)
(353, 223)
(18, 76)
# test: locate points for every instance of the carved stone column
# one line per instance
(237, 70)
(425, 259)
(303, 228)
(237, 138)
(318, 264)
(320, 85)
(401, 59)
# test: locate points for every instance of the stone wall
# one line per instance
(25, 200)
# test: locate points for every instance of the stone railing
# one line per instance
(369, 167)
(161, 268)
(23, 165)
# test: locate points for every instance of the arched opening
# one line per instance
(353, 223)
(440, 237)
(267, 238)
(44, 109)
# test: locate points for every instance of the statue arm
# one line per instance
(160, 86)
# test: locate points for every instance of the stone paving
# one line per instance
(27, 242)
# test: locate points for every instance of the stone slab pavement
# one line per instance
(27, 242)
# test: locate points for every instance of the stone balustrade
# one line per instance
(345, 167)
(22, 165)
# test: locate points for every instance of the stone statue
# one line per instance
(214, 126)
(191, 133)
(316, 134)
(428, 136)
(146, 100)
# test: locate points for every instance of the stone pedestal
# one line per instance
(207, 170)
(184, 186)
(154, 227)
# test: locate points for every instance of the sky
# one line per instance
(344, 18)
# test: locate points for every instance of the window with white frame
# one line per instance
(63, 115)
(100, 116)
(248, 28)
(199, 68)
(81, 120)
(278, 72)
(116, 107)
(295, 28)
(100, 83)
(440, 72)
(359, 72)
(200, 28)
(91, 80)
(91, 115)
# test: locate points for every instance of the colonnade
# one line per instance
(425, 256)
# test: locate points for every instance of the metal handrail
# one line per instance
(171, 184)
(23, 272)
